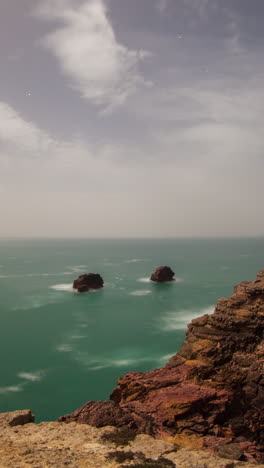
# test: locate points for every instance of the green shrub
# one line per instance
(148, 463)
(120, 456)
(120, 437)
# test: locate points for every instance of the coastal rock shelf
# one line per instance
(210, 394)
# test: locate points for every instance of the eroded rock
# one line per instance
(16, 418)
(162, 274)
(87, 282)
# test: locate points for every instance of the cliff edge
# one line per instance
(210, 394)
(24, 444)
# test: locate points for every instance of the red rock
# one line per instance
(162, 274)
(88, 281)
(212, 388)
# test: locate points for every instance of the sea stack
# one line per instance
(162, 274)
(88, 281)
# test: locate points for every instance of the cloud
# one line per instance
(105, 72)
(18, 133)
(162, 5)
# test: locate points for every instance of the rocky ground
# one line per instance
(52, 444)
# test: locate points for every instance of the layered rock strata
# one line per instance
(87, 282)
(211, 391)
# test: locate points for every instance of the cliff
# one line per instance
(210, 394)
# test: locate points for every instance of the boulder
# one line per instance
(162, 274)
(87, 282)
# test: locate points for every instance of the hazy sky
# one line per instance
(131, 118)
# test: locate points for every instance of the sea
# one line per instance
(60, 349)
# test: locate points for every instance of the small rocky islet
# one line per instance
(88, 282)
(163, 274)
(92, 281)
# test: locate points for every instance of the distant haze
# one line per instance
(123, 118)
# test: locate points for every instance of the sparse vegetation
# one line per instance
(120, 456)
(120, 437)
(149, 463)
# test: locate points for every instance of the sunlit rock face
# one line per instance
(213, 388)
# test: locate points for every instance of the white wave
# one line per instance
(31, 376)
(166, 358)
(144, 280)
(177, 280)
(135, 260)
(141, 292)
(63, 273)
(64, 348)
(32, 275)
(98, 364)
(78, 337)
(11, 389)
(148, 280)
(77, 268)
(178, 320)
(63, 287)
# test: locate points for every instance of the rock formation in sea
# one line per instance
(210, 394)
(87, 282)
(162, 274)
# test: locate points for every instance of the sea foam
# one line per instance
(144, 280)
(11, 389)
(31, 376)
(178, 320)
(141, 292)
(63, 287)
(148, 280)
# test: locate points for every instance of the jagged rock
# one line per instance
(212, 388)
(162, 274)
(17, 418)
(230, 451)
(87, 282)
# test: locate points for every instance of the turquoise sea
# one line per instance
(59, 348)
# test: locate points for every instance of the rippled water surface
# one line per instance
(60, 349)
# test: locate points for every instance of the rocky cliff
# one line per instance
(210, 394)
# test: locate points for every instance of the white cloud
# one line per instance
(104, 71)
(162, 5)
(16, 132)
(196, 180)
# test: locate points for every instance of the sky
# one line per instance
(123, 118)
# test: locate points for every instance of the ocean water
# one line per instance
(60, 349)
